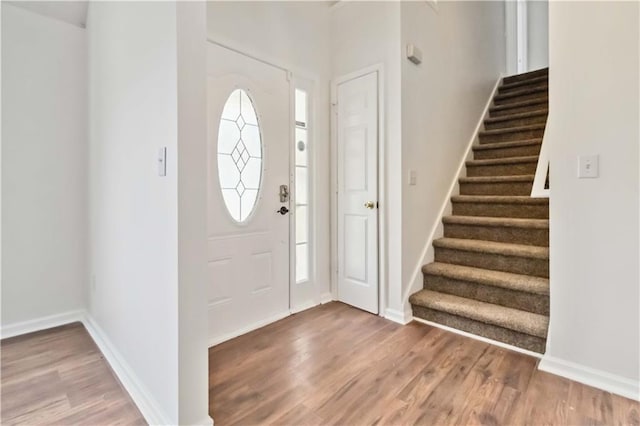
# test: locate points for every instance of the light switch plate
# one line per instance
(412, 177)
(588, 166)
(162, 161)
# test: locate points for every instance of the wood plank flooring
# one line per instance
(336, 365)
(330, 365)
(59, 377)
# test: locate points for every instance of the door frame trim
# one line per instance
(382, 216)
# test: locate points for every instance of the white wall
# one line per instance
(193, 353)
(538, 34)
(442, 101)
(44, 176)
(146, 91)
(364, 34)
(294, 35)
(593, 104)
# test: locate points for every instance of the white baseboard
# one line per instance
(148, 406)
(42, 323)
(398, 316)
(480, 338)
(592, 377)
(304, 307)
(216, 340)
(326, 298)
(208, 421)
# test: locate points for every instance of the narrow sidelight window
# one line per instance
(302, 185)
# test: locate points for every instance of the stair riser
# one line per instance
(500, 234)
(525, 341)
(515, 151)
(527, 76)
(506, 188)
(514, 169)
(510, 136)
(530, 302)
(543, 84)
(527, 121)
(495, 262)
(500, 100)
(543, 104)
(524, 211)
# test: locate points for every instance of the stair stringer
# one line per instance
(538, 190)
(416, 281)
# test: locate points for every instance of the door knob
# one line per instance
(283, 210)
(370, 204)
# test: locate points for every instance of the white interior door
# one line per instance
(248, 241)
(357, 141)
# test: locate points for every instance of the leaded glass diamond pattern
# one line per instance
(239, 155)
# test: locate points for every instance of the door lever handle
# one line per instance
(370, 205)
(283, 210)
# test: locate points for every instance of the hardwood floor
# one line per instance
(337, 365)
(330, 365)
(59, 376)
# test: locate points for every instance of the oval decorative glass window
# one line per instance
(239, 155)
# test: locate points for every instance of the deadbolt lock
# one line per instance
(284, 193)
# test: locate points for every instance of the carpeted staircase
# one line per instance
(491, 271)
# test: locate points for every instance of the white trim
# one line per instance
(244, 330)
(394, 315)
(208, 421)
(382, 196)
(326, 298)
(590, 376)
(260, 56)
(146, 403)
(538, 190)
(521, 36)
(480, 338)
(41, 323)
(416, 282)
(303, 307)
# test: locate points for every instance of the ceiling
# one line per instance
(72, 12)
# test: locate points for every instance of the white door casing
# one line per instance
(248, 262)
(357, 178)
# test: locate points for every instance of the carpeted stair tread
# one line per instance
(507, 130)
(517, 282)
(497, 179)
(498, 221)
(491, 247)
(535, 113)
(533, 91)
(507, 160)
(512, 319)
(520, 104)
(542, 72)
(523, 83)
(511, 144)
(499, 199)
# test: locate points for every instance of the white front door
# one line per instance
(357, 140)
(248, 241)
